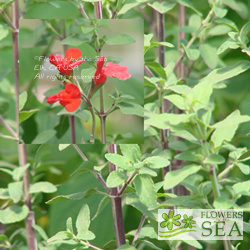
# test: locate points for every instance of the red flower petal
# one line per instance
(53, 60)
(73, 54)
(73, 105)
(73, 91)
(75, 64)
(116, 71)
(100, 64)
(52, 99)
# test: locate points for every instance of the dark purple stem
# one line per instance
(137, 234)
(116, 202)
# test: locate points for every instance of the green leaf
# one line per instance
(244, 34)
(214, 159)
(224, 73)
(177, 100)
(86, 30)
(227, 45)
(43, 186)
(225, 129)
(22, 99)
(175, 177)
(156, 162)
(164, 121)
(128, 5)
(72, 41)
(245, 156)
(24, 115)
(120, 161)
(242, 188)
(63, 146)
(144, 186)
(69, 225)
(44, 136)
(73, 197)
(88, 74)
(190, 5)
(162, 7)
(4, 241)
(83, 223)
(16, 191)
(208, 54)
(86, 166)
(147, 39)
(4, 194)
(18, 172)
(4, 31)
(157, 69)
(223, 203)
(119, 39)
(13, 214)
(133, 200)
(130, 108)
(126, 247)
(60, 237)
(40, 231)
(196, 244)
(131, 151)
(192, 54)
(49, 11)
(183, 201)
(188, 156)
(115, 179)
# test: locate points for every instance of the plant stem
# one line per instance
(216, 190)
(127, 183)
(7, 126)
(72, 129)
(102, 116)
(137, 234)
(225, 171)
(118, 7)
(31, 240)
(84, 14)
(84, 158)
(98, 9)
(30, 221)
(116, 202)
(203, 25)
(15, 35)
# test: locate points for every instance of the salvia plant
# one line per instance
(195, 152)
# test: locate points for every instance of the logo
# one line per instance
(200, 224)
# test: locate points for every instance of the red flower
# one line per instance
(66, 65)
(70, 98)
(111, 70)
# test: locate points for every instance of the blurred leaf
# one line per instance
(4, 31)
(175, 177)
(119, 39)
(60, 237)
(192, 54)
(115, 179)
(24, 115)
(223, 203)
(130, 108)
(48, 11)
(43, 186)
(44, 137)
(190, 5)
(69, 225)
(130, 4)
(63, 146)
(227, 45)
(16, 191)
(73, 197)
(62, 126)
(214, 159)
(18, 172)
(157, 68)
(126, 247)
(177, 100)
(13, 214)
(72, 41)
(156, 162)
(208, 54)
(41, 232)
(83, 223)
(22, 100)
(162, 7)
